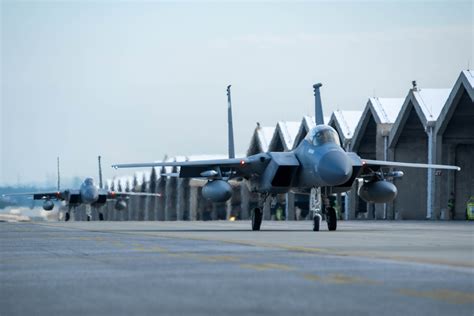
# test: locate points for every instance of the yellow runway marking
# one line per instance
(140, 249)
(266, 266)
(150, 249)
(449, 296)
(219, 258)
(345, 279)
(158, 249)
(339, 279)
(118, 244)
(311, 277)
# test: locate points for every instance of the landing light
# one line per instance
(232, 219)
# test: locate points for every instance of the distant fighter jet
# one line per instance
(319, 161)
(89, 194)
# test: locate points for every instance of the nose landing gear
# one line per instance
(317, 207)
(257, 213)
(316, 222)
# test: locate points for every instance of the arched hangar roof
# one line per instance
(465, 82)
(345, 123)
(284, 136)
(384, 111)
(260, 141)
(427, 103)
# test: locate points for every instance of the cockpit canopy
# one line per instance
(323, 134)
(89, 181)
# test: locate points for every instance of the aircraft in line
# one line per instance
(319, 162)
(89, 194)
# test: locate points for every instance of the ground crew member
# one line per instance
(470, 208)
(451, 203)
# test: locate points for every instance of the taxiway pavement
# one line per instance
(223, 268)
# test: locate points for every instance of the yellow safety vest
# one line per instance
(470, 210)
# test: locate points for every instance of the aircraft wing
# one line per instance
(41, 195)
(114, 194)
(382, 163)
(206, 168)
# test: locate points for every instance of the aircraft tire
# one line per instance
(67, 217)
(316, 222)
(257, 216)
(101, 216)
(88, 218)
(331, 218)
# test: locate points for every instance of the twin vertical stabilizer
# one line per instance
(318, 111)
(100, 173)
(59, 175)
(230, 124)
(318, 106)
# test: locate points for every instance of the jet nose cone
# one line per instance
(90, 195)
(335, 168)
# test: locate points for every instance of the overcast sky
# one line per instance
(134, 81)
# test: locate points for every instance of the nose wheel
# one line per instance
(257, 215)
(316, 222)
(317, 207)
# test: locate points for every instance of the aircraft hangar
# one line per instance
(454, 144)
(426, 126)
(370, 141)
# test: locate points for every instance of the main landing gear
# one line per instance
(331, 218)
(316, 206)
(257, 216)
(100, 215)
(67, 216)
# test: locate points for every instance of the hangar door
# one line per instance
(464, 179)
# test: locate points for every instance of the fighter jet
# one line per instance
(89, 194)
(319, 163)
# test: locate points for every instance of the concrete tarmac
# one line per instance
(223, 268)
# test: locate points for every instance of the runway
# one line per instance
(202, 268)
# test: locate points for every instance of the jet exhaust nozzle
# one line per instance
(378, 191)
(217, 191)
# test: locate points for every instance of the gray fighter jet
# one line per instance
(89, 194)
(318, 162)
